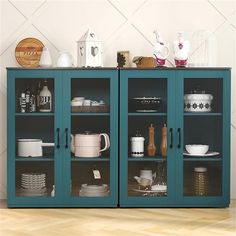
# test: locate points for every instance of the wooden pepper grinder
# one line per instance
(164, 141)
(151, 148)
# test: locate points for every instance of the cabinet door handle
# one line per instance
(171, 137)
(58, 137)
(66, 129)
(179, 134)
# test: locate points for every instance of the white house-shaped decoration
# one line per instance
(89, 51)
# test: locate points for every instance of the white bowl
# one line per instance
(197, 149)
(75, 103)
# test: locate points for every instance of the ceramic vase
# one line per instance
(45, 59)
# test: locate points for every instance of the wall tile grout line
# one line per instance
(117, 9)
(40, 6)
(140, 32)
(217, 9)
(17, 9)
(45, 37)
(127, 18)
(27, 21)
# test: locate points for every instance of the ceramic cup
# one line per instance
(87, 102)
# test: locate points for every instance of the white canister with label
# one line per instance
(137, 145)
(45, 99)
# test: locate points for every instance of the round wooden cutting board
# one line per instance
(28, 52)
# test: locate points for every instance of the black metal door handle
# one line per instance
(58, 137)
(179, 134)
(66, 129)
(171, 137)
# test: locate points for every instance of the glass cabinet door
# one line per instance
(204, 149)
(146, 137)
(92, 155)
(34, 165)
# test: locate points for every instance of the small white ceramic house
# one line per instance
(89, 51)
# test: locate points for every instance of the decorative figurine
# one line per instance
(181, 50)
(123, 59)
(161, 50)
(89, 52)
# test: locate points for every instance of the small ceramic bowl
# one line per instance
(197, 149)
(75, 103)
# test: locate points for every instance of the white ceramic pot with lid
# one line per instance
(137, 145)
(31, 147)
(198, 101)
(89, 144)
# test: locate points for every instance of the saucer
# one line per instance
(202, 155)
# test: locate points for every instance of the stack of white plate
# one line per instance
(33, 184)
(94, 190)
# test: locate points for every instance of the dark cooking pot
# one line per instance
(145, 104)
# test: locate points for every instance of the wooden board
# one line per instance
(28, 52)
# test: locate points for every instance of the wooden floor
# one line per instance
(118, 222)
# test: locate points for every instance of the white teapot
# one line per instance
(181, 50)
(146, 178)
(89, 144)
(161, 50)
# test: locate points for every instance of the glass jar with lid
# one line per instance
(200, 181)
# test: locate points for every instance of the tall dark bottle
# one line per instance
(38, 90)
(33, 99)
(27, 98)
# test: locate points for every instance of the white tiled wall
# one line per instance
(122, 25)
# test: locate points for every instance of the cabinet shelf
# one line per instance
(44, 158)
(89, 114)
(202, 114)
(34, 114)
(147, 158)
(73, 158)
(147, 114)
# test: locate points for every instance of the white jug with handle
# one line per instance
(89, 144)
(161, 50)
(146, 178)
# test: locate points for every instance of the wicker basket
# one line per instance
(102, 108)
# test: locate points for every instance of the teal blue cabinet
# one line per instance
(179, 179)
(31, 179)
